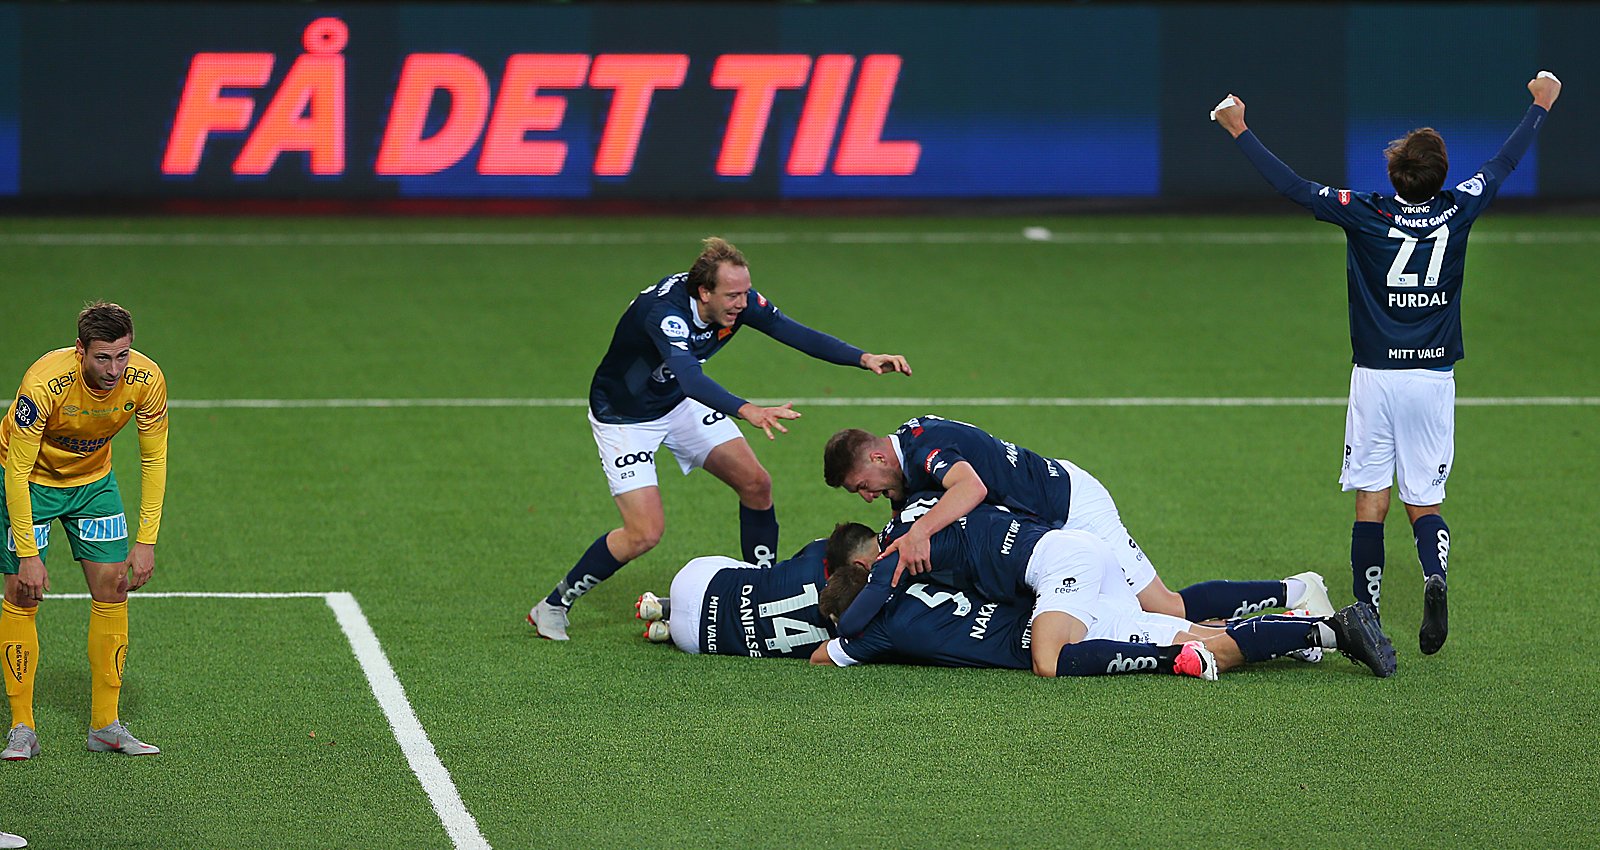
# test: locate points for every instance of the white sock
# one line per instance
(1295, 589)
(1325, 637)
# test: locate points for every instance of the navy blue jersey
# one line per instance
(932, 624)
(984, 553)
(1016, 477)
(660, 341)
(766, 613)
(1404, 261)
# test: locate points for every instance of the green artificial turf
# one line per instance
(447, 523)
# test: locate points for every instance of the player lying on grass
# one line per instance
(1405, 262)
(1084, 620)
(725, 607)
(966, 466)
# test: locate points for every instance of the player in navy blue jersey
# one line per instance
(1405, 260)
(719, 606)
(969, 467)
(649, 390)
(1083, 621)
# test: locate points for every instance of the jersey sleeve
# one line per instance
(29, 412)
(668, 330)
(1476, 192)
(934, 461)
(1282, 177)
(764, 316)
(869, 646)
(151, 419)
(854, 621)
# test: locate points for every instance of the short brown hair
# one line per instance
(103, 321)
(844, 585)
(841, 454)
(703, 274)
(1417, 164)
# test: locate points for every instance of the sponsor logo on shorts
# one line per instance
(27, 412)
(713, 417)
(1443, 474)
(99, 529)
(628, 460)
(41, 538)
(675, 327)
(1068, 585)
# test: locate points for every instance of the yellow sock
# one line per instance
(19, 640)
(108, 652)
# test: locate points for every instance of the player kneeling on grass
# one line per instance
(1084, 619)
(56, 443)
(725, 607)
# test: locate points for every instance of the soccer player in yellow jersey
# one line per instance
(55, 442)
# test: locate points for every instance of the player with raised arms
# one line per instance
(969, 467)
(719, 606)
(649, 390)
(1406, 254)
(56, 444)
(1085, 620)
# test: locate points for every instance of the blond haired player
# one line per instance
(56, 444)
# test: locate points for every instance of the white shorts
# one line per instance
(1076, 573)
(689, 593)
(1092, 510)
(1401, 423)
(628, 452)
(1140, 627)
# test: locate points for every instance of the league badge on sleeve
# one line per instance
(1473, 186)
(675, 327)
(27, 412)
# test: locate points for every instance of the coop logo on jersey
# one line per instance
(761, 299)
(1344, 197)
(27, 412)
(1473, 186)
(928, 465)
(676, 327)
(104, 528)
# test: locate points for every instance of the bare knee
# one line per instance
(755, 489)
(1042, 667)
(634, 540)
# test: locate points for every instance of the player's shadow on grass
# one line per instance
(66, 691)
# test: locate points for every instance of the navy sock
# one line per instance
(1366, 561)
(1265, 638)
(1223, 599)
(1433, 544)
(758, 536)
(596, 565)
(1100, 657)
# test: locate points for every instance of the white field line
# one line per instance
(482, 239)
(413, 739)
(885, 401)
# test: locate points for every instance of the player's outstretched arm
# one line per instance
(768, 418)
(1545, 88)
(1230, 115)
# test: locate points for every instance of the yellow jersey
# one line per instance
(58, 433)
